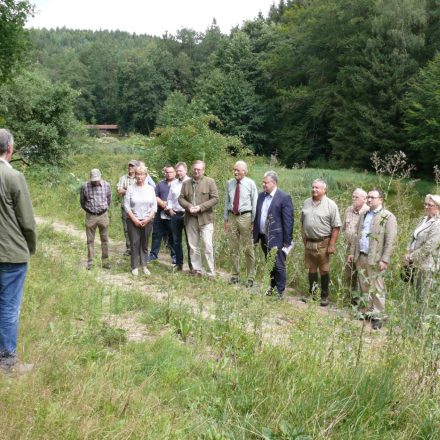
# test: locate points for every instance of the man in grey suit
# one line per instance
(371, 251)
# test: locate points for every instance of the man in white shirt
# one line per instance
(177, 215)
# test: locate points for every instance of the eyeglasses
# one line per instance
(371, 197)
(429, 205)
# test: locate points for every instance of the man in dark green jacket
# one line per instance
(17, 225)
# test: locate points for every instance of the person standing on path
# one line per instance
(95, 199)
(121, 188)
(320, 225)
(198, 197)
(239, 215)
(273, 228)
(18, 242)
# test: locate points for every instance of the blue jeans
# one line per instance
(12, 276)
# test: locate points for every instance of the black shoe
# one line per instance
(178, 267)
(269, 292)
(127, 253)
(324, 301)
(376, 323)
(106, 266)
(280, 296)
(249, 284)
(233, 280)
(304, 299)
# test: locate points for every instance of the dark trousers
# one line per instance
(177, 223)
(125, 219)
(139, 243)
(161, 231)
(278, 273)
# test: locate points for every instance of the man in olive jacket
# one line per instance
(17, 243)
(371, 251)
(198, 197)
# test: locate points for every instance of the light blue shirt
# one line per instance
(264, 211)
(364, 241)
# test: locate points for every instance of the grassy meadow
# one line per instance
(170, 357)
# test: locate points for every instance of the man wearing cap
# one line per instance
(124, 182)
(95, 199)
(17, 243)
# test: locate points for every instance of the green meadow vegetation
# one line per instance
(170, 357)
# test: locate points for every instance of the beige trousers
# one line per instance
(195, 233)
(102, 223)
(371, 282)
(241, 238)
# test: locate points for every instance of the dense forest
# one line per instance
(324, 82)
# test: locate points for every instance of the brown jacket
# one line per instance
(206, 197)
(382, 237)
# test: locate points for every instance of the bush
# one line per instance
(40, 114)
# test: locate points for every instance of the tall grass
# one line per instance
(214, 361)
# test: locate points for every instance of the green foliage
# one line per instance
(422, 120)
(40, 114)
(195, 141)
(177, 111)
(14, 39)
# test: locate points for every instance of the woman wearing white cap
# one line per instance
(423, 251)
(141, 206)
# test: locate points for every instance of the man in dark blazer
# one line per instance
(273, 227)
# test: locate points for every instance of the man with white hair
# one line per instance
(239, 214)
(18, 242)
(351, 220)
(320, 225)
(95, 199)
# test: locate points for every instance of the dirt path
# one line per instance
(276, 327)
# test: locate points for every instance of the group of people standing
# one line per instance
(182, 204)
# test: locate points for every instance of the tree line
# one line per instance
(325, 82)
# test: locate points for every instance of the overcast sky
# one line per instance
(152, 17)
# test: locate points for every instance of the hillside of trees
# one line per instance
(315, 81)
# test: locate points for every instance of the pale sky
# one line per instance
(152, 17)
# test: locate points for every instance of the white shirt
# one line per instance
(174, 193)
(264, 211)
(140, 200)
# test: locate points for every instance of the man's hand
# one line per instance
(331, 248)
(226, 226)
(350, 259)
(194, 209)
(170, 212)
(382, 266)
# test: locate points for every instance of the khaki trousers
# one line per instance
(371, 282)
(195, 233)
(102, 223)
(241, 238)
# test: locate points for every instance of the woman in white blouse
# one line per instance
(141, 206)
(424, 247)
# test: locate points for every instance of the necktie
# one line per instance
(236, 199)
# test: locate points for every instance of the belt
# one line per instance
(96, 213)
(364, 253)
(240, 213)
(317, 240)
(180, 212)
